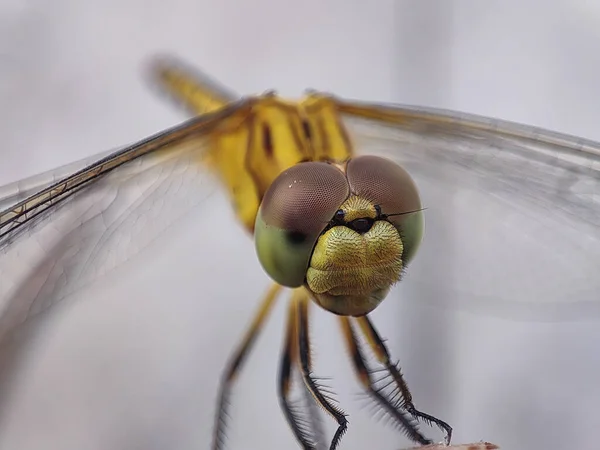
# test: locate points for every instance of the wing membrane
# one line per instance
(512, 228)
(513, 212)
(75, 230)
(22, 212)
(16, 192)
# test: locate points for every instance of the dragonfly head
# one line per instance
(345, 232)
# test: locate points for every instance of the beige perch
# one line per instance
(473, 446)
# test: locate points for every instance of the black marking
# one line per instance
(378, 211)
(361, 225)
(324, 137)
(300, 146)
(285, 372)
(306, 129)
(267, 140)
(296, 237)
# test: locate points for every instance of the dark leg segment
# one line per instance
(324, 401)
(382, 354)
(401, 417)
(235, 365)
(306, 430)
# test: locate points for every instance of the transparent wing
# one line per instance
(513, 212)
(18, 191)
(73, 231)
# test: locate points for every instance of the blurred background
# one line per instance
(134, 362)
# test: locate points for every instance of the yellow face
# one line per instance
(344, 232)
(355, 261)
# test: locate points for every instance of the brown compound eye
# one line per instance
(294, 211)
(388, 186)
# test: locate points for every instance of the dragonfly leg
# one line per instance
(382, 354)
(235, 364)
(408, 425)
(305, 426)
(323, 398)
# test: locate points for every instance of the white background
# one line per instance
(136, 365)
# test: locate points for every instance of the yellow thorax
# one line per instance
(255, 144)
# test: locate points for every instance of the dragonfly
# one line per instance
(335, 193)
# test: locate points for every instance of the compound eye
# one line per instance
(294, 211)
(390, 187)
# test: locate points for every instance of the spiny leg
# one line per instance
(236, 362)
(325, 401)
(307, 430)
(402, 417)
(313, 413)
(382, 354)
